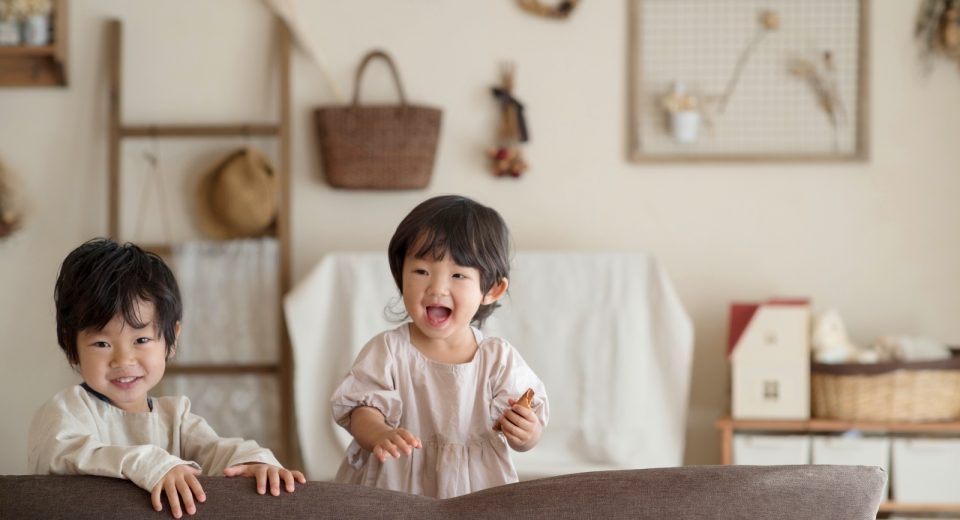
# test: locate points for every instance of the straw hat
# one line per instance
(238, 197)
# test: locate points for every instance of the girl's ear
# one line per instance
(176, 340)
(496, 292)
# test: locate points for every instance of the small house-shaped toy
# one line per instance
(769, 352)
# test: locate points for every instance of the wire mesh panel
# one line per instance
(777, 79)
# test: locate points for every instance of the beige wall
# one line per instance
(877, 240)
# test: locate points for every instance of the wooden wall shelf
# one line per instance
(43, 66)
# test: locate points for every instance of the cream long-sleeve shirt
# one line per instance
(76, 433)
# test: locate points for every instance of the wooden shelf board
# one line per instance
(830, 425)
(903, 507)
(27, 50)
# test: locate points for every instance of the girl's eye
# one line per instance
(141, 341)
(420, 271)
(101, 344)
(459, 276)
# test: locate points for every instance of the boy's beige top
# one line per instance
(450, 408)
(76, 433)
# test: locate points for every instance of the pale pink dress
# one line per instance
(451, 408)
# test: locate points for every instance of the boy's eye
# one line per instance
(420, 271)
(141, 341)
(101, 344)
(459, 275)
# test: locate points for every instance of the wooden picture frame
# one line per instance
(748, 81)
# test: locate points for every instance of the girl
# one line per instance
(421, 400)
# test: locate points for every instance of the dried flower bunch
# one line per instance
(938, 28)
(767, 21)
(560, 10)
(822, 78)
(679, 100)
(10, 218)
(506, 158)
(21, 9)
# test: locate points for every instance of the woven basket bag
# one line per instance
(377, 147)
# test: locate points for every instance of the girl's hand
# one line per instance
(392, 442)
(265, 473)
(180, 483)
(521, 426)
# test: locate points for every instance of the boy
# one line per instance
(118, 318)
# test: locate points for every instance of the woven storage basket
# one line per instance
(377, 147)
(918, 391)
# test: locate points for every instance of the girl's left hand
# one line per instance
(521, 426)
(265, 473)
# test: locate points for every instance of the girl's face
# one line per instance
(122, 362)
(442, 297)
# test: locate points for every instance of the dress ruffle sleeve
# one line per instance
(370, 382)
(512, 379)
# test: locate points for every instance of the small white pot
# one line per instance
(36, 30)
(685, 125)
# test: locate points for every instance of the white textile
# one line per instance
(230, 296)
(605, 332)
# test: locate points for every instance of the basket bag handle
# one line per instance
(393, 71)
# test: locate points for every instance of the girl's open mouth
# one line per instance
(437, 314)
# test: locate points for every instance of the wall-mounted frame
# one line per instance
(748, 80)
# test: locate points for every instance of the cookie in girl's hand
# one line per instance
(525, 400)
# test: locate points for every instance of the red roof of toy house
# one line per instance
(742, 313)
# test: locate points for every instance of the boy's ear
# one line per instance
(496, 292)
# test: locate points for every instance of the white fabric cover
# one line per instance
(230, 295)
(605, 332)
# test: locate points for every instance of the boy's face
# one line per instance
(442, 297)
(123, 362)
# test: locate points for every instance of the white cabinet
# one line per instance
(924, 458)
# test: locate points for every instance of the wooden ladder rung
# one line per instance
(210, 369)
(251, 130)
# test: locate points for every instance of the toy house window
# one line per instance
(771, 390)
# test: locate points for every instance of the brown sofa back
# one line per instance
(717, 492)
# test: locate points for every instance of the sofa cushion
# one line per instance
(719, 492)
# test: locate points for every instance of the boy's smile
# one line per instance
(123, 362)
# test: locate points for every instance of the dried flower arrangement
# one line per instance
(21, 9)
(711, 105)
(938, 29)
(679, 100)
(560, 10)
(506, 158)
(768, 21)
(823, 80)
(10, 218)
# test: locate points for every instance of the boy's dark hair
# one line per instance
(101, 279)
(474, 234)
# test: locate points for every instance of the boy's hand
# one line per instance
(265, 473)
(394, 441)
(521, 426)
(180, 483)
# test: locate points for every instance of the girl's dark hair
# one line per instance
(102, 279)
(474, 234)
